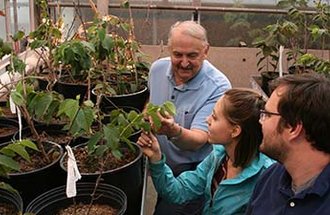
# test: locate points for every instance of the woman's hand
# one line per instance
(150, 146)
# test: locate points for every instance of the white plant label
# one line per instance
(73, 174)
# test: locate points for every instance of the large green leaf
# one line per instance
(69, 107)
(111, 135)
(9, 162)
(19, 149)
(44, 101)
(18, 98)
(107, 43)
(93, 141)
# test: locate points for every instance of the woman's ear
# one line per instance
(236, 131)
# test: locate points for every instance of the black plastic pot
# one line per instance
(266, 78)
(10, 127)
(136, 100)
(33, 183)
(71, 90)
(11, 199)
(54, 200)
(129, 178)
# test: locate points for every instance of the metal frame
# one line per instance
(224, 8)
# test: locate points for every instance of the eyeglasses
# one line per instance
(266, 114)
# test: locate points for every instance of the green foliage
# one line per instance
(16, 64)
(117, 59)
(8, 152)
(297, 32)
(122, 125)
(319, 65)
(47, 36)
(5, 48)
(75, 56)
(168, 108)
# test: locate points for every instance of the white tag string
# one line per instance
(20, 126)
(12, 105)
(281, 61)
(73, 174)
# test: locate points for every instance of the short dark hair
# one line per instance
(306, 100)
(242, 107)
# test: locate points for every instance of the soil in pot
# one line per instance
(95, 209)
(108, 199)
(89, 164)
(10, 203)
(6, 112)
(126, 174)
(8, 128)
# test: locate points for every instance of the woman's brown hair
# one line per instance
(242, 107)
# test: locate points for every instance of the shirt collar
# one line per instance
(259, 163)
(320, 187)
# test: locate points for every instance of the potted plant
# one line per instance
(10, 199)
(111, 155)
(297, 32)
(85, 117)
(106, 199)
(41, 158)
(119, 66)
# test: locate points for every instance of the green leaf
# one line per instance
(170, 108)
(112, 136)
(9, 162)
(91, 144)
(69, 107)
(101, 150)
(117, 154)
(17, 98)
(19, 149)
(44, 101)
(107, 43)
(37, 44)
(156, 120)
(7, 187)
(88, 45)
(18, 36)
(28, 143)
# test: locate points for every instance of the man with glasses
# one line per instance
(296, 129)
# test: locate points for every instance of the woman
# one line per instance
(226, 177)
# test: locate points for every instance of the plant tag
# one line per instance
(73, 174)
(12, 105)
(281, 61)
(20, 126)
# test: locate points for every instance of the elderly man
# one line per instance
(194, 85)
(296, 125)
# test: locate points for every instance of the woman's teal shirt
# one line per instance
(231, 196)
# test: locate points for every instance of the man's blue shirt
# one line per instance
(273, 194)
(194, 102)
